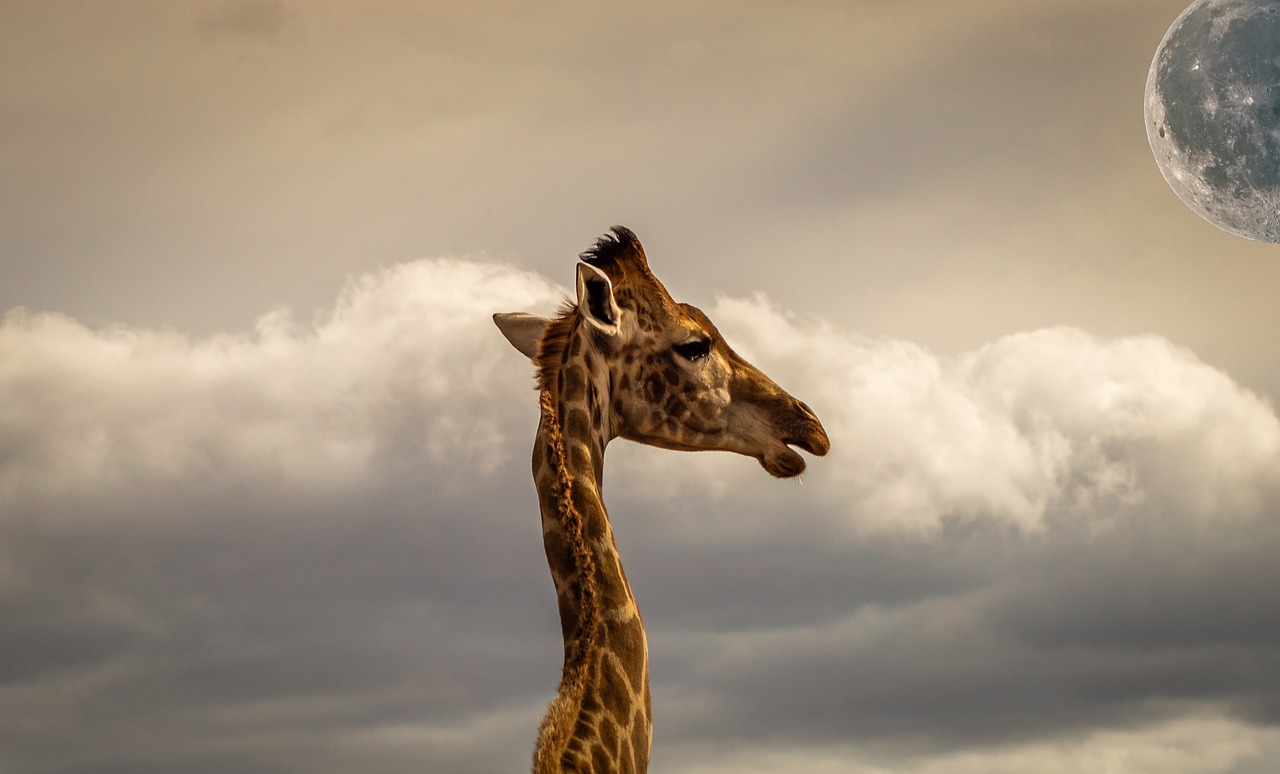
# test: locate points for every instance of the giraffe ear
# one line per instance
(595, 299)
(523, 330)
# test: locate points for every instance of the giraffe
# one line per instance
(627, 362)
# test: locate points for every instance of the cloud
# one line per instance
(304, 405)
(314, 547)
(1047, 425)
(1198, 745)
(1053, 535)
(199, 532)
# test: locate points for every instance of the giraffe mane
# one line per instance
(552, 346)
(620, 245)
(558, 723)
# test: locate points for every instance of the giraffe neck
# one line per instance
(600, 719)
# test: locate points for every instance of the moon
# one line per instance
(1213, 114)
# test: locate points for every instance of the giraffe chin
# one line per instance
(782, 462)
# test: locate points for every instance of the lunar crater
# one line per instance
(1213, 114)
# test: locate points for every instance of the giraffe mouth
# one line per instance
(782, 461)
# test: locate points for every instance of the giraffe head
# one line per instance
(673, 380)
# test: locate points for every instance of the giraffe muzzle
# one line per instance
(811, 436)
(803, 431)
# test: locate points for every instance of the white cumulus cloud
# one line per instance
(1036, 426)
(406, 369)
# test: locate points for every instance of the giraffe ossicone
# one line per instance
(627, 361)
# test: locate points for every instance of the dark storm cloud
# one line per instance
(315, 548)
(199, 534)
(1099, 523)
(1057, 641)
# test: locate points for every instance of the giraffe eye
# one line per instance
(695, 349)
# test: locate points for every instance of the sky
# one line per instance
(265, 498)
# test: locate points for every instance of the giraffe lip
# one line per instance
(782, 462)
(812, 439)
(818, 446)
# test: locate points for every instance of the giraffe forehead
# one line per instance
(672, 322)
(697, 322)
